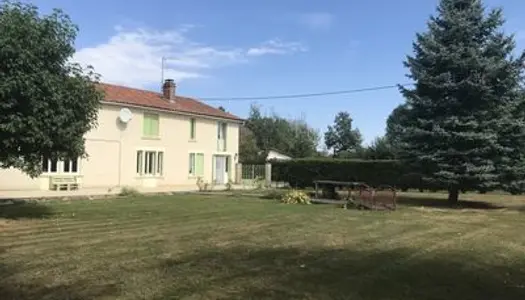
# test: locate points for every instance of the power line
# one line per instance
(293, 96)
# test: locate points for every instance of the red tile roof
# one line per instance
(149, 99)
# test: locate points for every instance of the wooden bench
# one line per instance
(64, 183)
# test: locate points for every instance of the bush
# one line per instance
(295, 197)
(203, 186)
(303, 172)
(129, 192)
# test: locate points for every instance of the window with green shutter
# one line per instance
(150, 127)
(193, 129)
(196, 164)
(199, 164)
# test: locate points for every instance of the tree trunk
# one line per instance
(453, 195)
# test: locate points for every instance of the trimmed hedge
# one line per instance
(303, 172)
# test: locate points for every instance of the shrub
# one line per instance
(295, 197)
(129, 192)
(303, 172)
(229, 185)
(259, 183)
(203, 186)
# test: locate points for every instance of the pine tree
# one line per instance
(466, 129)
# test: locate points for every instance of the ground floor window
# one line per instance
(69, 166)
(150, 163)
(196, 167)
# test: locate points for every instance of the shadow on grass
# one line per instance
(10, 289)
(20, 209)
(443, 203)
(289, 273)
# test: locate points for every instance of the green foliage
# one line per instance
(302, 172)
(259, 183)
(395, 127)
(380, 149)
(341, 137)
(248, 150)
(295, 197)
(129, 192)
(293, 137)
(47, 103)
(229, 185)
(463, 124)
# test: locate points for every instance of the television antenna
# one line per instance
(162, 66)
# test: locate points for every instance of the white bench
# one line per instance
(64, 183)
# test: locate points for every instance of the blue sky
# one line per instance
(235, 48)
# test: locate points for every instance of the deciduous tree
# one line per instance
(47, 103)
(341, 138)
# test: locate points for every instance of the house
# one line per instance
(145, 139)
(276, 155)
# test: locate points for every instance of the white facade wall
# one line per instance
(112, 150)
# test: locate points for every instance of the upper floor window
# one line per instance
(69, 166)
(221, 130)
(150, 125)
(193, 128)
(221, 136)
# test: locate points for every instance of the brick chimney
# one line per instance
(168, 90)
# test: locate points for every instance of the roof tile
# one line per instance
(149, 99)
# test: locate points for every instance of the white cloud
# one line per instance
(317, 20)
(133, 57)
(276, 47)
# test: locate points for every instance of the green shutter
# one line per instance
(192, 128)
(199, 164)
(150, 127)
(146, 125)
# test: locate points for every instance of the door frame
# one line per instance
(227, 168)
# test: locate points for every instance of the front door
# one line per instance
(220, 169)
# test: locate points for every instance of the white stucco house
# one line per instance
(145, 139)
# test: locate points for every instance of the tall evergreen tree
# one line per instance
(465, 129)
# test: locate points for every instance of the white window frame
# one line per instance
(60, 167)
(146, 161)
(193, 129)
(192, 172)
(222, 128)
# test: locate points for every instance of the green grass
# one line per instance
(227, 247)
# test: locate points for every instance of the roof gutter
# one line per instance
(112, 103)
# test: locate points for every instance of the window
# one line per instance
(221, 130)
(150, 127)
(193, 128)
(160, 162)
(69, 166)
(221, 136)
(53, 166)
(150, 163)
(196, 167)
(139, 161)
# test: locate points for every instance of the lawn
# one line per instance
(241, 247)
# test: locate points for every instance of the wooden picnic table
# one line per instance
(359, 193)
(330, 185)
